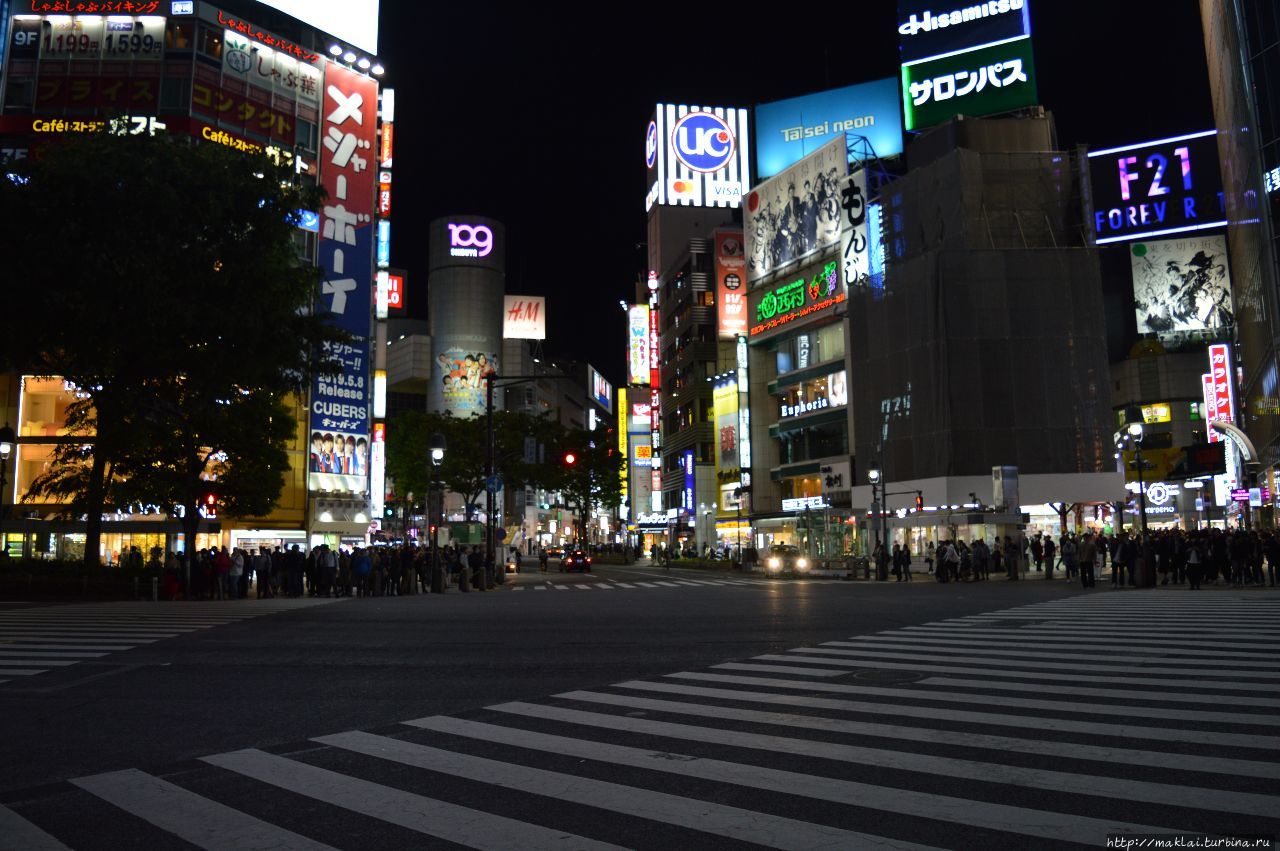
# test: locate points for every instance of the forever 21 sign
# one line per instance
(1156, 188)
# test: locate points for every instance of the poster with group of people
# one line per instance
(339, 462)
(464, 377)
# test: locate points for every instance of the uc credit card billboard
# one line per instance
(789, 130)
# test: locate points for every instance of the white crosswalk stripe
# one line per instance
(992, 743)
(636, 585)
(38, 639)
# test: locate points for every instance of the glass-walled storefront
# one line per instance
(823, 533)
(810, 348)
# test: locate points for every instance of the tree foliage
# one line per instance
(463, 470)
(161, 278)
(594, 479)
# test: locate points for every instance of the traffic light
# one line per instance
(919, 501)
(570, 458)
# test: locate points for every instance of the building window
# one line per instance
(175, 94)
(211, 42)
(179, 35)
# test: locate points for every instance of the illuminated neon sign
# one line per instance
(384, 243)
(1157, 188)
(799, 298)
(470, 240)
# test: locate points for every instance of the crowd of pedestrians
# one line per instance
(221, 574)
(1237, 557)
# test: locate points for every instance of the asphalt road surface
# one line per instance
(642, 708)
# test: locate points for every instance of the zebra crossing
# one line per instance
(38, 640)
(1052, 724)
(652, 584)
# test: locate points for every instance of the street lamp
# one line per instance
(873, 475)
(7, 441)
(438, 446)
(1135, 433)
(737, 495)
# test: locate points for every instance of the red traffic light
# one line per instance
(919, 501)
(570, 458)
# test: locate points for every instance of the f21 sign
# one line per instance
(1157, 188)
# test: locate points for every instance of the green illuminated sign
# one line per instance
(999, 78)
(785, 298)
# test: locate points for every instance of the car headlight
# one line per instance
(774, 562)
(802, 563)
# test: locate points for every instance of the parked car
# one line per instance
(786, 558)
(575, 560)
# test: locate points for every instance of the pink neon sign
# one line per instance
(470, 240)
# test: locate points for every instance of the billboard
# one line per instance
(395, 291)
(697, 156)
(773, 307)
(524, 317)
(600, 390)
(984, 81)
(731, 284)
(1221, 383)
(1156, 188)
(796, 213)
(1181, 285)
(927, 30)
(378, 468)
(353, 21)
(638, 344)
(789, 130)
(855, 255)
(465, 378)
(725, 410)
(340, 403)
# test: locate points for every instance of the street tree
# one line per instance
(161, 280)
(594, 478)
(464, 467)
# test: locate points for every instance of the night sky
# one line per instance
(537, 118)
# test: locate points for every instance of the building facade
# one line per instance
(252, 78)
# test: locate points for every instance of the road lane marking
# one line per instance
(194, 818)
(1071, 750)
(1062, 827)
(942, 766)
(994, 685)
(719, 819)
(781, 669)
(451, 822)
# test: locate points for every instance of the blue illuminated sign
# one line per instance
(789, 130)
(875, 247)
(384, 243)
(686, 464)
(307, 220)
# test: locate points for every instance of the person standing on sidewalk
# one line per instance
(1085, 555)
(1069, 551)
(1049, 552)
(1010, 559)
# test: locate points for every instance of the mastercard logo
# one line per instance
(682, 187)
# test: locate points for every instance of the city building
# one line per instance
(252, 77)
(983, 349)
(1242, 46)
(698, 168)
